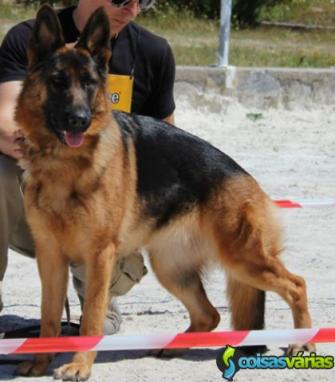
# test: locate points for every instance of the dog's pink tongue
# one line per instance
(73, 140)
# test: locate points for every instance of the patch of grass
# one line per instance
(196, 42)
(254, 116)
(179, 21)
(282, 47)
(14, 13)
(10, 15)
(276, 58)
(320, 12)
(195, 56)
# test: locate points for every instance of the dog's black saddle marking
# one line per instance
(175, 169)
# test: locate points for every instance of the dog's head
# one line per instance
(63, 99)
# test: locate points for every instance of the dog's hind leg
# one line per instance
(273, 276)
(186, 285)
(53, 270)
(250, 250)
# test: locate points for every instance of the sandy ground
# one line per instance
(291, 154)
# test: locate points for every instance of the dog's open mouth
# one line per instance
(73, 139)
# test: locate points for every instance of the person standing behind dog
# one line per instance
(141, 79)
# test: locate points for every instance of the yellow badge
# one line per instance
(120, 90)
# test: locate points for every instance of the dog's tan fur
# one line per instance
(82, 205)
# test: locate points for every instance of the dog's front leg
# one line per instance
(53, 270)
(98, 275)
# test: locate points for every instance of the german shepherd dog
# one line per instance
(100, 185)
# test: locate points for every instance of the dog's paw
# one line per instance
(74, 371)
(295, 349)
(34, 368)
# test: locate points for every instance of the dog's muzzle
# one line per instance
(77, 122)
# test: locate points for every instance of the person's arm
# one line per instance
(164, 98)
(13, 67)
(9, 130)
(160, 102)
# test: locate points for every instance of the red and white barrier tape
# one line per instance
(285, 203)
(166, 341)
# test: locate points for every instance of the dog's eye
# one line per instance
(88, 81)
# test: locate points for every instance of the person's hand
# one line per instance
(71, 44)
(10, 134)
(10, 144)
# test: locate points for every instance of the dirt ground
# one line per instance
(291, 154)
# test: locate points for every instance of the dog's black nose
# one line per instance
(79, 119)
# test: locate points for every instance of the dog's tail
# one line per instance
(247, 305)
(258, 237)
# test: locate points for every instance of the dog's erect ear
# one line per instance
(47, 35)
(95, 38)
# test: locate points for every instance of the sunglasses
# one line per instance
(144, 4)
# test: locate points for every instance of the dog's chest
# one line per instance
(68, 222)
(58, 210)
(57, 199)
